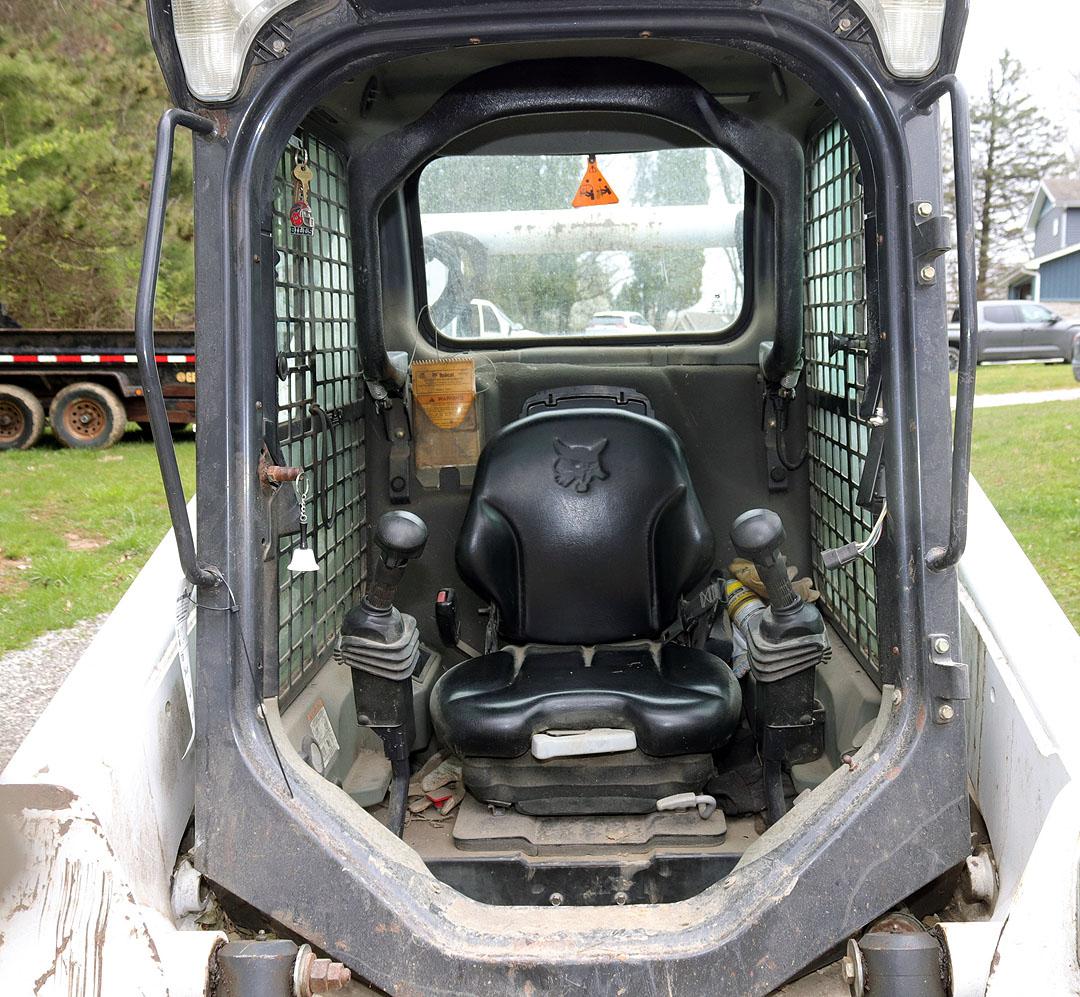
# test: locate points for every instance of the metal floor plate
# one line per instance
(478, 829)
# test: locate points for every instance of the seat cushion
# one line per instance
(678, 701)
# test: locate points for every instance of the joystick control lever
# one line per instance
(382, 647)
(785, 643)
(758, 535)
(401, 538)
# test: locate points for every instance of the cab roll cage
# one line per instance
(773, 158)
(865, 839)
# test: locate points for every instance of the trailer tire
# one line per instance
(87, 416)
(22, 418)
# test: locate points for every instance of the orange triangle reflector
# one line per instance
(594, 189)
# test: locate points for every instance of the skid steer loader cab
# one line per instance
(577, 504)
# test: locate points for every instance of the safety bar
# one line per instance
(194, 571)
(940, 558)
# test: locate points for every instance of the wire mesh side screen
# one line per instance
(320, 411)
(836, 329)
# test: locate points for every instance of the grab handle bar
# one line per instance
(939, 558)
(195, 572)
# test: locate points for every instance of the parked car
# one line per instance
(619, 322)
(1017, 330)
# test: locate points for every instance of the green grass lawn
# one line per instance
(1027, 460)
(75, 528)
(1000, 379)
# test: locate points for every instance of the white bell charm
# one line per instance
(303, 557)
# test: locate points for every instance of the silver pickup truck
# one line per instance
(1017, 330)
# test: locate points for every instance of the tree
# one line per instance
(1013, 146)
(538, 290)
(80, 93)
(668, 280)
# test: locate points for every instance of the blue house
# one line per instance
(1053, 276)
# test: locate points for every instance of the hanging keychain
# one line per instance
(300, 218)
(303, 557)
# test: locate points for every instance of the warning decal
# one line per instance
(594, 189)
(445, 389)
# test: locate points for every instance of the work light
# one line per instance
(213, 37)
(909, 32)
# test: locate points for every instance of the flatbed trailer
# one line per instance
(86, 383)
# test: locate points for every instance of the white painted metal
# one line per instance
(98, 797)
(1024, 759)
(970, 947)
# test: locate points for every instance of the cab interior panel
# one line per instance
(568, 664)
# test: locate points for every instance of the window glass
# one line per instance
(507, 256)
(1000, 313)
(1035, 313)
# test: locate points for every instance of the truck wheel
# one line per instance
(21, 418)
(87, 416)
(954, 358)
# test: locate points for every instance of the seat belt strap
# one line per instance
(700, 604)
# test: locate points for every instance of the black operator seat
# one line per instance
(585, 533)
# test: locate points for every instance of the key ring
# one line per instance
(303, 492)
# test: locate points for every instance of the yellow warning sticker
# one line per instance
(593, 189)
(445, 389)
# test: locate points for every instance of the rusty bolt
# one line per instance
(927, 274)
(924, 209)
(945, 713)
(312, 975)
(941, 645)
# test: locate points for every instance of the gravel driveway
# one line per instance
(29, 679)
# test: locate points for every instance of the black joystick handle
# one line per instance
(400, 537)
(758, 536)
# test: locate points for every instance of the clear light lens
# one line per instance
(213, 37)
(909, 32)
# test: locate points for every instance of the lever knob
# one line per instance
(400, 537)
(758, 536)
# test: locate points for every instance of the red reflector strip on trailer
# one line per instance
(184, 358)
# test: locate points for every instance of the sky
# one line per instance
(1044, 35)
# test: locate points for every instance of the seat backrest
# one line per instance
(584, 528)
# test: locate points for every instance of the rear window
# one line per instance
(507, 256)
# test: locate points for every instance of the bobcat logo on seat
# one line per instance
(579, 465)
